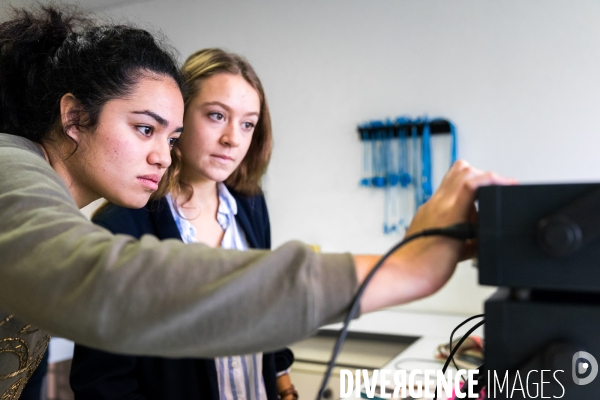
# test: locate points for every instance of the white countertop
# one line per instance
(432, 329)
(407, 323)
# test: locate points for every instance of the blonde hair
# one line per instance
(247, 176)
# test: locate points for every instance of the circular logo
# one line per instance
(585, 368)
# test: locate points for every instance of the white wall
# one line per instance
(518, 77)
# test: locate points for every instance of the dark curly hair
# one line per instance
(48, 52)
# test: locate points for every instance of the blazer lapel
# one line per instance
(248, 229)
(211, 371)
(162, 220)
(249, 222)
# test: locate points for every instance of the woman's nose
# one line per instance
(231, 136)
(160, 155)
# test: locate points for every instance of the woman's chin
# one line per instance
(138, 201)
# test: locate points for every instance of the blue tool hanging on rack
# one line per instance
(397, 157)
(426, 174)
(392, 199)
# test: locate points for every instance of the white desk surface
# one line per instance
(432, 329)
(407, 323)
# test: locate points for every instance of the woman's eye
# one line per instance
(144, 130)
(172, 142)
(249, 126)
(217, 116)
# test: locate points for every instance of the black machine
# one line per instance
(541, 245)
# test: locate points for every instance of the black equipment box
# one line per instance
(516, 330)
(540, 237)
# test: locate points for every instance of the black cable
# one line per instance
(457, 328)
(460, 342)
(482, 374)
(462, 231)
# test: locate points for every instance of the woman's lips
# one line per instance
(221, 158)
(150, 181)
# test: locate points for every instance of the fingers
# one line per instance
(463, 180)
(488, 178)
(453, 202)
(463, 174)
(456, 178)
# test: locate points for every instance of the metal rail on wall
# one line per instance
(397, 159)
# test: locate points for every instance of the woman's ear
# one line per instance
(71, 115)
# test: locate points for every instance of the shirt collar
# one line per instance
(227, 203)
(225, 213)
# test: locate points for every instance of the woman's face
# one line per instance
(125, 156)
(218, 125)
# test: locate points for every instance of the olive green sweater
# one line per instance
(76, 280)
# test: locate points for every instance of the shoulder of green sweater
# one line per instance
(18, 142)
(25, 171)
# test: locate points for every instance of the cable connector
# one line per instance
(462, 231)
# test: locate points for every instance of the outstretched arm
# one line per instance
(112, 292)
(422, 267)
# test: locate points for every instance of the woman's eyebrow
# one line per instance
(216, 103)
(154, 115)
(158, 119)
(226, 107)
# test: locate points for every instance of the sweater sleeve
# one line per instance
(77, 280)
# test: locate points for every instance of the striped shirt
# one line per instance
(240, 377)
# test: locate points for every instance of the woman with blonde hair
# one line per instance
(211, 194)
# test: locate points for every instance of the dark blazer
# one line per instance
(99, 375)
